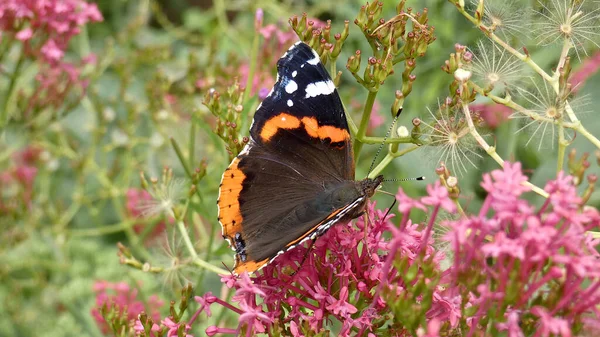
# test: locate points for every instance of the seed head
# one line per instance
(449, 137)
(568, 20)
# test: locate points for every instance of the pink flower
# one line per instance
(406, 203)
(205, 302)
(25, 34)
(135, 199)
(438, 197)
(52, 52)
(124, 301)
(493, 114)
(549, 325)
(511, 256)
(173, 327)
(504, 259)
(340, 306)
(588, 68)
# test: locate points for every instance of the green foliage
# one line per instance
(176, 86)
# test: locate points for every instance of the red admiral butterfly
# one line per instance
(295, 178)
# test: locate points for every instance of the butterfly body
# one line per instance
(295, 177)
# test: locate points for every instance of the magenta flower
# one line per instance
(515, 270)
(511, 256)
(341, 281)
(124, 300)
(135, 198)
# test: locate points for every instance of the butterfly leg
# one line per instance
(312, 243)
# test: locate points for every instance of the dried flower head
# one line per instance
(505, 18)
(575, 21)
(449, 135)
(177, 270)
(165, 195)
(545, 110)
(494, 67)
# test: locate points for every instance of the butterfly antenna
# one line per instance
(405, 179)
(384, 139)
(228, 269)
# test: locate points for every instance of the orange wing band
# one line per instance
(248, 266)
(311, 126)
(230, 215)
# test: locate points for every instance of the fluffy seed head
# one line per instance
(577, 22)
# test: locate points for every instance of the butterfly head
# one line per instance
(369, 185)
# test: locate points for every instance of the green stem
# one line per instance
(576, 125)
(388, 159)
(192, 143)
(491, 151)
(5, 46)
(11, 88)
(252, 69)
(489, 33)
(382, 164)
(562, 147)
(186, 239)
(364, 122)
(184, 163)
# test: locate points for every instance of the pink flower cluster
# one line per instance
(123, 299)
(46, 26)
(135, 199)
(536, 269)
(17, 181)
(348, 277)
(516, 270)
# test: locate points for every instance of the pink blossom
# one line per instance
(438, 196)
(205, 302)
(173, 327)
(24, 34)
(135, 199)
(504, 259)
(406, 204)
(493, 114)
(513, 254)
(588, 68)
(549, 325)
(52, 52)
(124, 300)
(340, 306)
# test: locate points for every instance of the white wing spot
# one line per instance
(319, 88)
(290, 103)
(294, 73)
(291, 87)
(283, 119)
(315, 60)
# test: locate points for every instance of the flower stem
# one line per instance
(252, 67)
(491, 151)
(11, 87)
(364, 122)
(489, 32)
(190, 247)
(388, 159)
(562, 147)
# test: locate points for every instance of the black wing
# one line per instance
(299, 150)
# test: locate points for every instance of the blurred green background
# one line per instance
(143, 91)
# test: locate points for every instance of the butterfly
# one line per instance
(295, 177)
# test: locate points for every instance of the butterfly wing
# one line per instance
(276, 192)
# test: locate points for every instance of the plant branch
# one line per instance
(491, 151)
